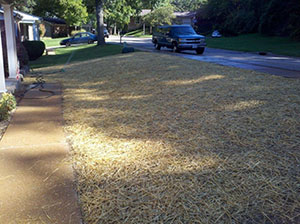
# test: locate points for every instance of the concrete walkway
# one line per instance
(36, 176)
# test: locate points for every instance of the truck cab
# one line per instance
(178, 38)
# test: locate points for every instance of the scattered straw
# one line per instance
(160, 139)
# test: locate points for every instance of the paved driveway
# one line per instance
(272, 64)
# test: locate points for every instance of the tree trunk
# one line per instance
(100, 22)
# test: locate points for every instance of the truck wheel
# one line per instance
(200, 50)
(157, 46)
(175, 47)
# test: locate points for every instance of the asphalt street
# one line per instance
(273, 64)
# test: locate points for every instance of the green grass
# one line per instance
(81, 53)
(139, 33)
(52, 42)
(257, 43)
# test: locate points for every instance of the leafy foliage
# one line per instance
(35, 49)
(74, 12)
(186, 5)
(7, 104)
(160, 16)
(234, 17)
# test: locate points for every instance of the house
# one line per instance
(54, 27)
(28, 25)
(185, 18)
(136, 22)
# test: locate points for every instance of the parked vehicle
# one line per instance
(78, 38)
(83, 37)
(106, 34)
(178, 37)
(216, 34)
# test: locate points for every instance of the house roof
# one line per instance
(27, 18)
(54, 20)
(145, 12)
(185, 14)
(177, 14)
(16, 15)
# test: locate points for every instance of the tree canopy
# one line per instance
(74, 12)
(187, 5)
(160, 16)
(233, 17)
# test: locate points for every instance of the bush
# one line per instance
(42, 30)
(35, 49)
(22, 55)
(77, 31)
(7, 104)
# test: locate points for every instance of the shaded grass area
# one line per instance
(257, 43)
(52, 42)
(139, 33)
(81, 53)
(162, 139)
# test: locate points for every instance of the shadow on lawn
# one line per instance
(247, 123)
(81, 53)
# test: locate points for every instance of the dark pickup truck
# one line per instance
(178, 37)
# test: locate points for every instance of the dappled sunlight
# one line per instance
(134, 97)
(244, 105)
(193, 81)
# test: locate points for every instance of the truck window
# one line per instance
(186, 30)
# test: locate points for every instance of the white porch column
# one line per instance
(30, 32)
(10, 31)
(2, 73)
(36, 34)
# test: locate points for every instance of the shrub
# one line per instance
(42, 30)
(35, 49)
(7, 104)
(22, 55)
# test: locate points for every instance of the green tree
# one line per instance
(187, 5)
(111, 11)
(25, 5)
(160, 16)
(74, 12)
(153, 4)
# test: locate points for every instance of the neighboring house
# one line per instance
(28, 25)
(54, 27)
(185, 18)
(136, 22)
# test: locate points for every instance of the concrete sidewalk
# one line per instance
(36, 176)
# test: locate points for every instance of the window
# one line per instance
(138, 20)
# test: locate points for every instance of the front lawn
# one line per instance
(139, 33)
(52, 42)
(257, 43)
(162, 139)
(80, 53)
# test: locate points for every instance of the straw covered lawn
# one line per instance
(161, 139)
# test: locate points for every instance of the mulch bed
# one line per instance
(161, 139)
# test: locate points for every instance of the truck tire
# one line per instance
(200, 50)
(157, 46)
(175, 47)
